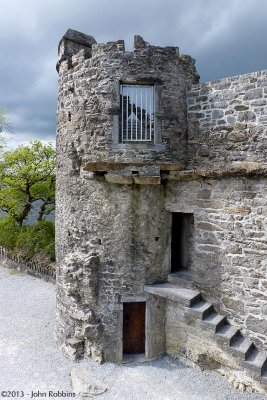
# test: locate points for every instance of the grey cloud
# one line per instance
(226, 38)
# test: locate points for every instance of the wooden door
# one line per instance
(134, 327)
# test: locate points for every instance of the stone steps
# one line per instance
(229, 336)
(214, 321)
(202, 308)
(241, 346)
(200, 312)
(257, 361)
(227, 333)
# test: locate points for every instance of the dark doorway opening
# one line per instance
(182, 240)
(134, 327)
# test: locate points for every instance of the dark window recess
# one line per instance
(136, 118)
(182, 240)
(134, 328)
(99, 173)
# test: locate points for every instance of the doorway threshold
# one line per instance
(183, 278)
(134, 358)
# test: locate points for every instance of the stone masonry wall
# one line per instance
(230, 246)
(105, 260)
(227, 121)
(227, 133)
(89, 104)
(111, 239)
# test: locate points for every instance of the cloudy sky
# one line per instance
(227, 37)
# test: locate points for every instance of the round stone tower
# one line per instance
(121, 126)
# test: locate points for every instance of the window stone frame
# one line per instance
(157, 122)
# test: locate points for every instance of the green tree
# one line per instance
(36, 241)
(9, 232)
(27, 180)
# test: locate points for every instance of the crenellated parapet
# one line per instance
(146, 123)
(72, 43)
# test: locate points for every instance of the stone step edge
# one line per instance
(184, 296)
(190, 298)
(258, 366)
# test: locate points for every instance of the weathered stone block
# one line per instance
(241, 108)
(253, 94)
(84, 383)
(237, 136)
(217, 114)
(97, 355)
(246, 116)
(119, 179)
(92, 331)
(238, 210)
(208, 226)
(139, 42)
(147, 180)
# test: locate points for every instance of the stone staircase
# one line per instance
(201, 313)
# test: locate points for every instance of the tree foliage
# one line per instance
(9, 231)
(35, 242)
(27, 181)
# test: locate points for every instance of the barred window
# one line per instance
(136, 122)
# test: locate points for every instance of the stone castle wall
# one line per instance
(227, 142)
(230, 246)
(115, 201)
(111, 240)
(227, 121)
(106, 260)
(90, 100)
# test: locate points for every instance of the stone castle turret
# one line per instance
(110, 241)
(161, 209)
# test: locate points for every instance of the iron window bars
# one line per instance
(136, 121)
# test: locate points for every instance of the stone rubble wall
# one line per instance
(111, 239)
(229, 249)
(114, 229)
(227, 121)
(107, 259)
(227, 131)
(89, 103)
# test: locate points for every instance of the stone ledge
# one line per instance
(119, 179)
(147, 180)
(235, 169)
(99, 166)
(173, 171)
(186, 297)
